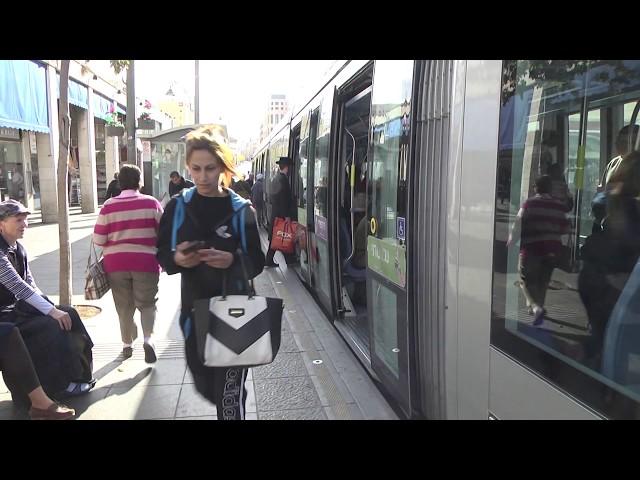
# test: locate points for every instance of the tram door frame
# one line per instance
(325, 298)
(295, 146)
(347, 96)
(399, 385)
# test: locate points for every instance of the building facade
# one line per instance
(29, 132)
(277, 108)
(178, 106)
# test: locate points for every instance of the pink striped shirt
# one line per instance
(127, 230)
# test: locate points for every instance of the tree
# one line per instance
(118, 66)
(64, 121)
(519, 74)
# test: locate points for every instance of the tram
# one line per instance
(409, 178)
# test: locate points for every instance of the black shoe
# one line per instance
(80, 388)
(127, 352)
(149, 353)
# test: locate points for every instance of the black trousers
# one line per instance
(223, 387)
(260, 214)
(271, 252)
(15, 363)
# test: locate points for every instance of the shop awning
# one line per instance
(23, 96)
(100, 105)
(78, 94)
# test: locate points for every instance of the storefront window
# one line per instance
(11, 171)
(101, 162)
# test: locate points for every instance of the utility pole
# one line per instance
(131, 116)
(197, 99)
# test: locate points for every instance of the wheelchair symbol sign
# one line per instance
(400, 228)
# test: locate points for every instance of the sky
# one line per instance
(236, 91)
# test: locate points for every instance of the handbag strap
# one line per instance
(251, 291)
(92, 248)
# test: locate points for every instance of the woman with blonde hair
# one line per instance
(201, 237)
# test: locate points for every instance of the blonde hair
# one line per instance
(210, 138)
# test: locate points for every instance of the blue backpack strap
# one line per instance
(178, 215)
(241, 228)
(178, 218)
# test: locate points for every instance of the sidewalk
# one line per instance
(315, 375)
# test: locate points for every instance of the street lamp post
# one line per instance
(197, 99)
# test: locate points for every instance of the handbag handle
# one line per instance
(95, 253)
(251, 292)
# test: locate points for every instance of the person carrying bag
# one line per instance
(205, 234)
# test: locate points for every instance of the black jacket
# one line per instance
(173, 188)
(113, 190)
(280, 197)
(204, 281)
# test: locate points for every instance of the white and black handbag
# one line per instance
(239, 331)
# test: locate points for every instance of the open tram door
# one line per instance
(350, 212)
(370, 227)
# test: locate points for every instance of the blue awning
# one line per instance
(120, 109)
(78, 94)
(23, 96)
(100, 105)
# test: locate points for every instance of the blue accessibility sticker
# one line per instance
(400, 228)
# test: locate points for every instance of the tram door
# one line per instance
(319, 253)
(305, 154)
(351, 213)
(387, 230)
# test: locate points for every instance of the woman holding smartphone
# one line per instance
(200, 237)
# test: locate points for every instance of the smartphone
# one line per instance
(197, 245)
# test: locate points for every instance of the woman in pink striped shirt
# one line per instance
(127, 229)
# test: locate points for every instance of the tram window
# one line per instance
(566, 284)
(321, 162)
(302, 181)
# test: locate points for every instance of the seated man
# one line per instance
(56, 338)
(20, 376)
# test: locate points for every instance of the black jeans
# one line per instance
(227, 391)
(222, 386)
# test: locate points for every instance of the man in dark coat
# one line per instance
(114, 188)
(178, 183)
(281, 202)
(257, 197)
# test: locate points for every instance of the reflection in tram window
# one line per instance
(566, 287)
